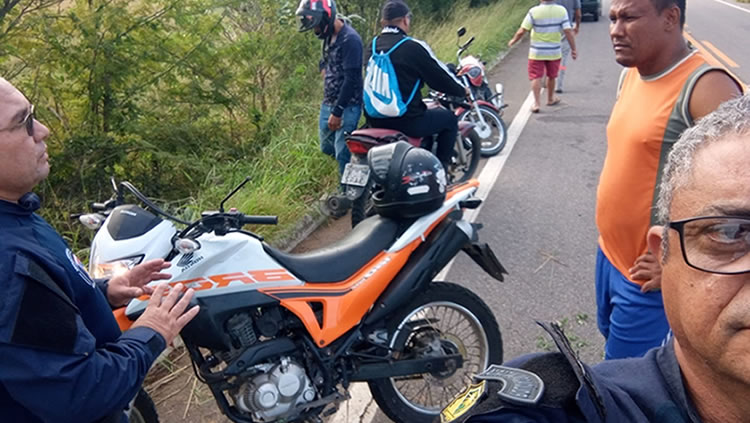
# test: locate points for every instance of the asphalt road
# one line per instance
(722, 27)
(539, 214)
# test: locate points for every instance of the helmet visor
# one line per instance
(306, 22)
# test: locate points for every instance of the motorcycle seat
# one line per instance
(339, 261)
(383, 135)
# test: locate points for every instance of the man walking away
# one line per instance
(546, 21)
(573, 7)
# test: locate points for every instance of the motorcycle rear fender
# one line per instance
(483, 255)
(425, 262)
(465, 127)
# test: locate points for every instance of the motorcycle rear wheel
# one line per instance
(462, 171)
(362, 206)
(451, 317)
(493, 134)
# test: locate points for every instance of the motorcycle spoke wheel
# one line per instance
(493, 134)
(447, 319)
(455, 330)
(464, 164)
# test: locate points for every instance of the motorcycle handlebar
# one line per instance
(260, 220)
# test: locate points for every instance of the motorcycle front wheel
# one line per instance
(493, 134)
(143, 409)
(465, 157)
(447, 319)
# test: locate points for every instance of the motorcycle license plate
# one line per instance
(356, 174)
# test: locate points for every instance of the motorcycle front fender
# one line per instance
(465, 127)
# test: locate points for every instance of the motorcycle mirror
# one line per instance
(91, 221)
(186, 246)
(234, 191)
(461, 31)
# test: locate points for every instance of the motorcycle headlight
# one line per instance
(111, 269)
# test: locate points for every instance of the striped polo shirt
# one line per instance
(546, 23)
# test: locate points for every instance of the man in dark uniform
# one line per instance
(415, 64)
(64, 358)
(702, 374)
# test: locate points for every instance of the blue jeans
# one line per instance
(631, 321)
(333, 143)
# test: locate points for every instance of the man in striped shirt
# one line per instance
(546, 21)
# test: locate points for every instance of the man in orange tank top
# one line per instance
(666, 86)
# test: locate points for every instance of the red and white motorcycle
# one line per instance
(486, 111)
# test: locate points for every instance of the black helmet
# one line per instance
(317, 13)
(410, 181)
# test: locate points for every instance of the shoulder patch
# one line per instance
(519, 386)
(463, 402)
(46, 319)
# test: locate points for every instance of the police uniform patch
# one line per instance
(78, 266)
(463, 402)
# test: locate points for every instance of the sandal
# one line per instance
(534, 109)
(554, 101)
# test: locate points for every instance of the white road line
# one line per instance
(733, 5)
(361, 407)
(493, 167)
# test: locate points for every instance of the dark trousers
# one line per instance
(434, 121)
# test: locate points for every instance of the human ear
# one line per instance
(672, 18)
(654, 241)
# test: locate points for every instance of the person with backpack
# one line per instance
(341, 65)
(396, 72)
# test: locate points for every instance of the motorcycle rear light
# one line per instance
(92, 221)
(357, 147)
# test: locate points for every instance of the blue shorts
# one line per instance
(632, 322)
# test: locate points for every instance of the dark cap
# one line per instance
(394, 9)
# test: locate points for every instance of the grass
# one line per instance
(492, 26)
(292, 174)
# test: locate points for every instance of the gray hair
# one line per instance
(731, 118)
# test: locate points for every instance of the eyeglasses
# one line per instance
(28, 121)
(715, 244)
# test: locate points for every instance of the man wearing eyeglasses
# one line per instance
(702, 374)
(62, 356)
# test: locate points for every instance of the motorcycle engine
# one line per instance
(276, 391)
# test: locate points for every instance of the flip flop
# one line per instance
(534, 109)
(554, 102)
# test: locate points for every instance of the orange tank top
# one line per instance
(647, 119)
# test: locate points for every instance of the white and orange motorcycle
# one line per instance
(280, 337)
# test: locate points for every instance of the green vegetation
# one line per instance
(185, 98)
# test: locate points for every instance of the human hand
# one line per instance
(574, 54)
(132, 284)
(334, 123)
(575, 30)
(167, 315)
(647, 268)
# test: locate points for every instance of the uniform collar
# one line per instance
(27, 205)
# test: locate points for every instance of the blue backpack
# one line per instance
(382, 96)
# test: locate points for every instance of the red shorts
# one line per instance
(537, 68)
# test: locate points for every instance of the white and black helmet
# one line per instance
(410, 181)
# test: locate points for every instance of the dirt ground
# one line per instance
(177, 394)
